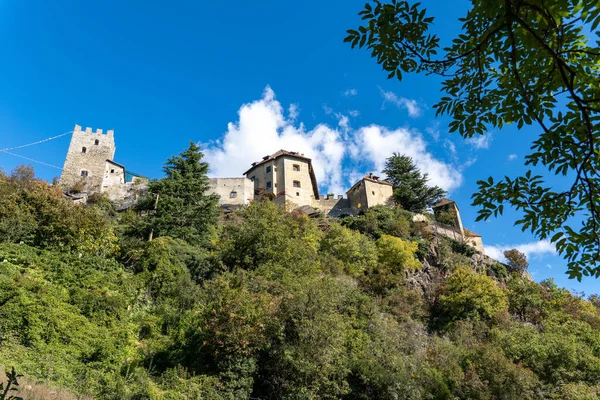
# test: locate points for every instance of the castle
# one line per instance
(90, 168)
(285, 177)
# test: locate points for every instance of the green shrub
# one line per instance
(469, 295)
(356, 252)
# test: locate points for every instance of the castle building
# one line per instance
(285, 176)
(89, 158)
(447, 212)
(232, 191)
(370, 191)
(89, 167)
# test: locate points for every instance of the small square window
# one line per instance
(296, 167)
(373, 192)
(83, 150)
(296, 184)
(96, 142)
(268, 169)
(84, 173)
(232, 195)
(297, 193)
(269, 185)
(112, 171)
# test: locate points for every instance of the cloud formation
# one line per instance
(411, 106)
(350, 93)
(340, 153)
(532, 249)
(512, 157)
(377, 143)
(481, 141)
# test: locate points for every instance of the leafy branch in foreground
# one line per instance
(520, 62)
(11, 384)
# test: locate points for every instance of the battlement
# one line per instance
(89, 131)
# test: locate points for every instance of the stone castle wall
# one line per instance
(232, 191)
(86, 158)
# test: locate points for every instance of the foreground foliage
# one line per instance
(522, 62)
(280, 306)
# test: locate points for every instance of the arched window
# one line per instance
(96, 142)
(84, 150)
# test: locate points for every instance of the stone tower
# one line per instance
(86, 158)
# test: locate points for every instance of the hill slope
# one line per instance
(276, 305)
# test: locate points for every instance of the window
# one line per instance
(96, 142)
(252, 178)
(269, 185)
(83, 150)
(232, 195)
(268, 169)
(373, 192)
(112, 171)
(297, 193)
(296, 167)
(84, 172)
(297, 184)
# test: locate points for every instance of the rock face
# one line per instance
(127, 195)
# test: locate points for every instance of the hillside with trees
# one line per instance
(266, 304)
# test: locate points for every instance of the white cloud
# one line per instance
(532, 249)
(434, 131)
(512, 157)
(450, 146)
(480, 141)
(293, 111)
(350, 93)
(354, 113)
(377, 143)
(262, 129)
(409, 105)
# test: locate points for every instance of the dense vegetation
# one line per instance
(273, 305)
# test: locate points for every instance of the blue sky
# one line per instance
(244, 80)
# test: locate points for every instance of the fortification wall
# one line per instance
(86, 158)
(232, 191)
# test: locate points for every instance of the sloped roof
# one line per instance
(291, 154)
(470, 233)
(370, 178)
(444, 202)
(116, 163)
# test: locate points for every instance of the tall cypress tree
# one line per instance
(177, 205)
(410, 185)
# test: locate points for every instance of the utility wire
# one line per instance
(34, 143)
(30, 159)
(7, 150)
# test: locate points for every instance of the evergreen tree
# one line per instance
(410, 185)
(177, 205)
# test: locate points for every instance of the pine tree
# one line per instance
(410, 185)
(177, 205)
